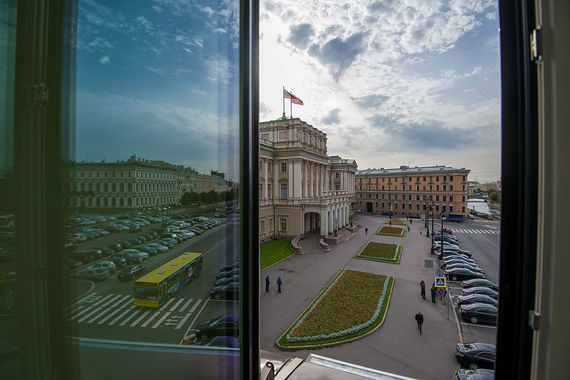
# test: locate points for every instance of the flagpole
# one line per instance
(283, 95)
(291, 102)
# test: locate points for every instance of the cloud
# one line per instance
(338, 53)
(370, 101)
(104, 60)
(380, 7)
(300, 35)
(209, 11)
(331, 117)
(147, 25)
(99, 44)
(157, 8)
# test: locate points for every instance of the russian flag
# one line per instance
(294, 99)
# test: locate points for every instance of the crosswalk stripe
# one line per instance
(167, 303)
(77, 315)
(176, 305)
(140, 318)
(161, 320)
(89, 314)
(119, 317)
(68, 314)
(186, 305)
(111, 300)
(129, 318)
(195, 306)
(183, 321)
(120, 301)
(102, 300)
(108, 316)
(145, 324)
(86, 297)
(98, 315)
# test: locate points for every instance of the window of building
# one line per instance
(382, 179)
(424, 187)
(437, 198)
(403, 206)
(417, 197)
(436, 207)
(462, 208)
(430, 187)
(283, 167)
(410, 187)
(436, 187)
(444, 178)
(283, 224)
(269, 193)
(451, 198)
(417, 207)
(337, 175)
(376, 196)
(382, 187)
(436, 178)
(382, 204)
(463, 198)
(444, 187)
(450, 187)
(283, 191)
(464, 178)
(444, 198)
(451, 178)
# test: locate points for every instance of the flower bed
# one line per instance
(352, 305)
(397, 222)
(391, 231)
(380, 252)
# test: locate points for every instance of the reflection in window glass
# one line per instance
(152, 181)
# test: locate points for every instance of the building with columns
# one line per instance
(301, 189)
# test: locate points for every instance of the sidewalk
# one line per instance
(396, 346)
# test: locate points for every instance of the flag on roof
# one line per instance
(294, 99)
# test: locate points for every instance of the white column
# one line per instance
(311, 171)
(318, 179)
(265, 179)
(276, 188)
(324, 224)
(305, 179)
(290, 180)
(297, 175)
(329, 216)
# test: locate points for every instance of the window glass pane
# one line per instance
(156, 137)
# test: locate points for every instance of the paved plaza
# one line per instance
(396, 346)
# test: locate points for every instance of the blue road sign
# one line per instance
(440, 282)
(440, 291)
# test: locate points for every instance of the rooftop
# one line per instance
(407, 169)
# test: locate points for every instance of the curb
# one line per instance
(456, 319)
(277, 262)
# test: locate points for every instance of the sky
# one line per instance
(389, 82)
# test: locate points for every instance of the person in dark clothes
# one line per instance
(420, 320)
(366, 230)
(432, 293)
(423, 289)
(267, 283)
(279, 282)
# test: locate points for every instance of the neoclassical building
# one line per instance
(301, 189)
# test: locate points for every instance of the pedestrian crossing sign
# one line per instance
(440, 282)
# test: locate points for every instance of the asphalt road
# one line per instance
(107, 311)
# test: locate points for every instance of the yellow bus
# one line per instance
(156, 287)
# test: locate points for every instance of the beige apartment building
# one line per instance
(409, 191)
(301, 189)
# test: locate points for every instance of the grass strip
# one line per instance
(398, 222)
(274, 251)
(391, 231)
(345, 302)
(380, 252)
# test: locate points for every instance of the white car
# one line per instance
(105, 264)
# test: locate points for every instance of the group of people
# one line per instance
(267, 283)
(419, 316)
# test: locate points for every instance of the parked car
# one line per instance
(472, 267)
(146, 248)
(458, 259)
(130, 272)
(477, 298)
(229, 291)
(116, 247)
(479, 312)
(229, 273)
(225, 268)
(125, 244)
(474, 374)
(120, 262)
(225, 325)
(86, 255)
(475, 355)
(99, 274)
(457, 274)
(444, 254)
(158, 247)
(480, 282)
(481, 290)
(106, 251)
(227, 280)
(105, 264)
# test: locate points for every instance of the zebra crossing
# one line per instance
(475, 231)
(119, 310)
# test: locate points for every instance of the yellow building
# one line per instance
(410, 191)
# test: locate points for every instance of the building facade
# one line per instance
(409, 191)
(301, 189)
(131, 184)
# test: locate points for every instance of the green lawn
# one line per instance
(391, 231)
(353, 304)
(396, 222)
(273, 251)
(380, 252)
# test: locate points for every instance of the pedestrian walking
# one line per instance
(432, 293)
(420, 320)
(411, 221)
(423, 289)
(366, 230)
(420, 231)
(408, 228)
(267, 283)
(279, 282)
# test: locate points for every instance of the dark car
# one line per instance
(106, 251)
(132, 258)
(229, 273)
(86, 255)
(457, 274)
(481, 290)
(474, 374)
(116, 247)
(120, 262)
(225, 268)
(166, 243)
(226, 325)
(477, 298)
(227, 292)
(130, 272)
(91, 274)
(125, 244)
(227, 280)
(222, 341)
(479, 282)
(479, 312)
(475, 355)
(146, 248)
